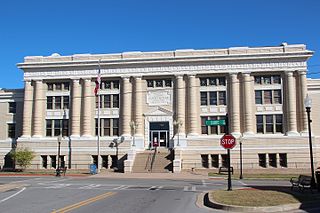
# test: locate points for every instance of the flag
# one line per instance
(98, 82)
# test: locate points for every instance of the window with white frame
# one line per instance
(159, 83)
(56, 127)
(64, 86)
(269, 124)
(213, 98)
(12, 107)
(213, 81)
(267, 79)
(212, 130)
(108, 127)
(268, 96)
(109, 84)
(57, 102)
(108, 101)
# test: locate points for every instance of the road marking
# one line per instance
(90, 186)
(54, 181)
(192, 188)
(13, 195)
(83, 203)
(242, 183)
(204, 183)
(58, 186)
(186, 188)
(121, 187)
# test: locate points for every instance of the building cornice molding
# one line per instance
(167, 69)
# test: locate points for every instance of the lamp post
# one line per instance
(240, 177)
(58, 166)
(178, 124)
(133, 126)
(307, 104)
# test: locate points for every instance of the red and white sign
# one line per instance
(228, 141)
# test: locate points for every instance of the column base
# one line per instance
(139, 142)
(37, 136)
(179, 141)
(304, 133)
(236, 134)
(248, 134)
(192, 135)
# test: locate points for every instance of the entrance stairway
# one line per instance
(153, 161)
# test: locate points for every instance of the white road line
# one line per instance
(204, 183)
(13, 195)
(121, 187)
(20, 181)
(186, 188)
(193, 188)
(58, 186)
(49, 182)
(90, 186)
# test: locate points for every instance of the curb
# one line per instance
(287, 207)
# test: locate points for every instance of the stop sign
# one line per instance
(228, 141)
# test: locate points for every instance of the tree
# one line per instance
(23, 157)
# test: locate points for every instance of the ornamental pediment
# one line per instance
(159, 111)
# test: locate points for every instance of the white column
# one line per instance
(291, 105)
(303, 93)
(87, 108)
(192, 106)
(126, 106)
(235, 104)
(27, 109)
(138, 114)
(76, 107)
(180, 103)
(248, 104)
(39, 109)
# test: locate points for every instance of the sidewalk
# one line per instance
(182, 175)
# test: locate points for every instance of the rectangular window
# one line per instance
(115, 84)
(168, 83)
(107, 85)
(12, 107)
(267, 97)
(106, 127)
(222, 98)
(44, 161)
(115, 127)
(213, 129)
(204, 99)
(277, 96)
(204, 129)
(269, 123)
(279, 123)
(50, 86)
(65, 102)
(213, 98)
(204, 161)
(273, 160)
(203, 82)
(49, 102)
(115, 101)
(212, 81)
(283, 160)
(276, 79)
(259, 119)
(57, 102)
(258, 96)
(49, 128)
(262, 160)
(107, 101)
(66, 86)
(257, 80)
(222, 81)
(53, 159)
(11, 130)
(150, 83)
(58, 86)
(267, 79)
(57, 127)
(65, 127)
(159, 83)
(215, 161)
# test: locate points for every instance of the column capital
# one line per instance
(179, 75)
(289, 73)
(125, 77)
(75, 79)
(302, 72)
(246, 74)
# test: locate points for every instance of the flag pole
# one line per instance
(98, 142)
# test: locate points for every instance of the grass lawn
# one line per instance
(255, 197)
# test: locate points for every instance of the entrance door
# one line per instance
(159, 132)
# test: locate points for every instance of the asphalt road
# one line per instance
(65, 194)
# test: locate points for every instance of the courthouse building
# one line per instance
(165, 97)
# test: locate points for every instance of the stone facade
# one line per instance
(167, 97)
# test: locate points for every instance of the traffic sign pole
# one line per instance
(229, 172)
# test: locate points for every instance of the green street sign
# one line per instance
(215, 122)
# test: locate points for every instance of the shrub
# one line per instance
(22, 157)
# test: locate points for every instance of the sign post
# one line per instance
(228, 142)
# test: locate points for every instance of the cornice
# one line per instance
(170, 69)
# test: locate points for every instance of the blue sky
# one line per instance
(69, 27)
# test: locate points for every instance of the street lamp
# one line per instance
(240, 177)
(178, 124)
(58, 167)
(307, 104)
(133, 126)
